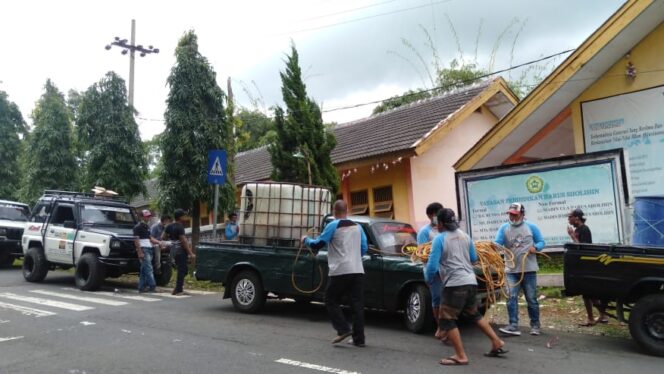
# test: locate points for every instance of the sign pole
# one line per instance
(216, 212)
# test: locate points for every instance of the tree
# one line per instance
(12, 128)
(109, 138)
(195, 123)
(49, 161)
(300, 132)
(255, 129)
(152, 151)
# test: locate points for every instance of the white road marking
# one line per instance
(126, 331)
(4, 321)
(314, 366)
(27, 311)
(118, 295)
(96, 300)
(86, 323)
(47, 302)
(10, 338)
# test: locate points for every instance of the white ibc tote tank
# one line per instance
(280, 213)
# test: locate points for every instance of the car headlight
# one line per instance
(116, 244)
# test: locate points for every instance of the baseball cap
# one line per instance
(516, 208)
(146, 213)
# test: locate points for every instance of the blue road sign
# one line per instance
(216, 166)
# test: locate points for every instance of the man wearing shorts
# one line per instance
(453, 251)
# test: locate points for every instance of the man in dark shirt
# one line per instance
(180, 248)
(145, 252)
(579, 232)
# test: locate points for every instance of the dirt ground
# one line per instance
(559, 314)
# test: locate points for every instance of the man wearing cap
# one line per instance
(144, 249)
(435, 283)
(524, 240)
(454, 253)
(579, 232)
(232, 229)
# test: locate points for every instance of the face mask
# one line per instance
(516, 222)
(434, 221)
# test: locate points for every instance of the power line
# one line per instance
(344, 11)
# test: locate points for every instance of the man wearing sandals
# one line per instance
(435, 284)
(524, 240)
(454, 252)
(579, 232)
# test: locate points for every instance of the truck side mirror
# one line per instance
(70, 224)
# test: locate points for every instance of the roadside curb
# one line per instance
(550, 280)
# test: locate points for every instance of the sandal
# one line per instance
(587, 324)
(452, 361)
(602, 321)
(496, 352)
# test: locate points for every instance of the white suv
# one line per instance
(91, 233)
(13, 217)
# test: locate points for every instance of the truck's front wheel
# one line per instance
(417, 309)
(89, 272)
(35, 267)
(165, 276)
(646, 323)
(247, 292)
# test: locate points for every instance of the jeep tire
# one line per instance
(164, 277)
(89, 272)
(35, 266)
(247, 292)
(418, 316)
(646, 323)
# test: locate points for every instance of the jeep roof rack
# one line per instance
(85, 195)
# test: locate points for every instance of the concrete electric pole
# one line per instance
(131, 49)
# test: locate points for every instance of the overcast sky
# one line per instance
(351, 51)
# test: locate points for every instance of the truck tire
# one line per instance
(418, 315)
(89, 272)
(646, 323)
(6, 260)
(165, 277)
(35, 267)
(247, 292)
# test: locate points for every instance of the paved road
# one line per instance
(53, 328)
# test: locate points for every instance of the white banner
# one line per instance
(634, 122)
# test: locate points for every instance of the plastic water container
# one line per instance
(280, 213)
(648, 221)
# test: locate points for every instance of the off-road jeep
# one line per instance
(13, 217)
(85, 231)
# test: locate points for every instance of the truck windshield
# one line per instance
(391, 236)
(103, 215)
(14, 212)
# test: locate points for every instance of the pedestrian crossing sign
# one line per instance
(216, 166)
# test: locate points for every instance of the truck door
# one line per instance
(60, 233)
(373, 273)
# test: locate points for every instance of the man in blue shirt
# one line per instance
(346, 244)
(454, 253)
(524, 239)
(155, 232)
(426, 235)
(232, 229)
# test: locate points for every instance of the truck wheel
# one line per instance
(165, 276)
(35, 267)
(6, 260)
(646, 324)
(89, 272)
(418, 315)
(247, 292)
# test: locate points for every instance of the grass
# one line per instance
(554, 265)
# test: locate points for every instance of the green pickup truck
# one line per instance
(393, 282)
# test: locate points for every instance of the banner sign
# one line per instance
(549, 191)
(634, 122)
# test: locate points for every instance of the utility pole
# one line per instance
(131, 48)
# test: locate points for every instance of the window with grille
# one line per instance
(383, 202)
(359, 202)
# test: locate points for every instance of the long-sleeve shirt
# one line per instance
(518, 239)
(453, 252)
(426, 234)
(346, 244)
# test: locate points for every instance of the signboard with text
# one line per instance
(549, 190)
(635, 123)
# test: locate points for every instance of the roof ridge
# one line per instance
(253, 150)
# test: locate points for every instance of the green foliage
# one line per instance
(152, 149)
(195, 123)
(49, 160)
(255, 129)
(109, 137)
(12, 127)
(301, 129)
(400, 100)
